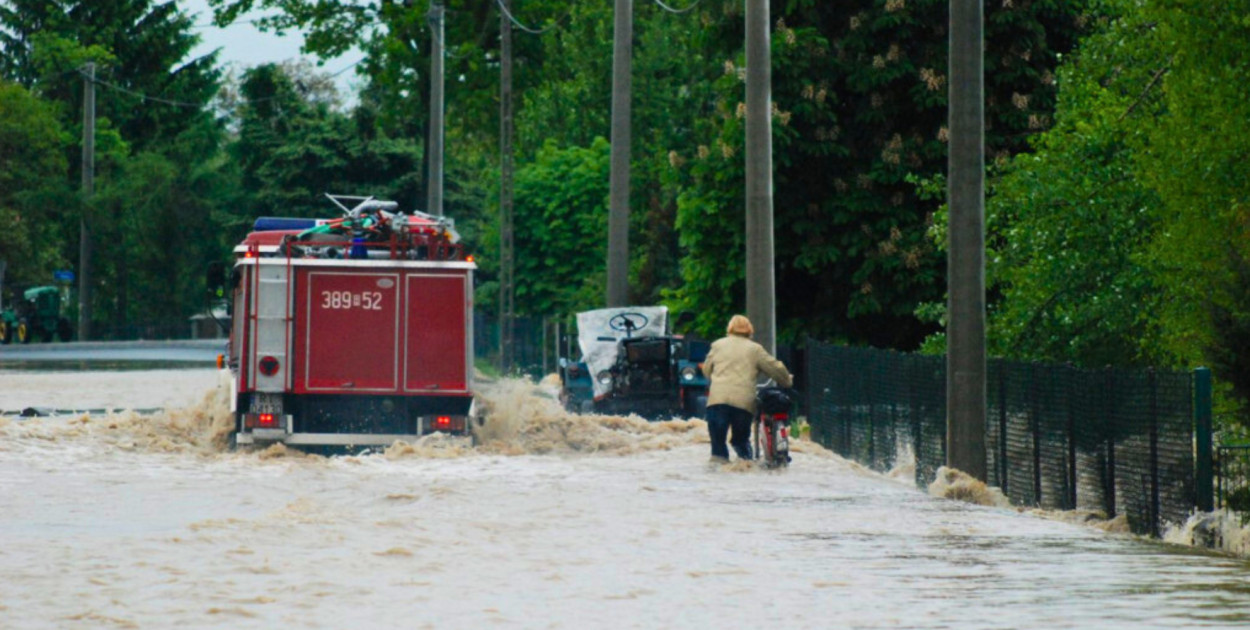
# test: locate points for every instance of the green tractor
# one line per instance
(40, 314)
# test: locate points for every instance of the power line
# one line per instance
(174, 103)
(141, 95)
(349, 67)
(518, 24)
(677, 11)
(258, 22)
(236, 22)
(57, 75)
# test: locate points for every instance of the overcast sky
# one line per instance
(243, 45)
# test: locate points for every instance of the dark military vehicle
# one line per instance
(630, 363)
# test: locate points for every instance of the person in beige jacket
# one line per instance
(733, 366)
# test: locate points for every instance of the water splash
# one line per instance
(1221, 530)
(951, 483)
(203, 428)
(522, 417)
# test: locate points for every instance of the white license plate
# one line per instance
(266, 403)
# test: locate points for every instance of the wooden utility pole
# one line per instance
(761, 299)
(965, 330)
(88, 189)
(506, 258)
(434, 201)
(618, 210)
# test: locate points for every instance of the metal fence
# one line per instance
(537, 342)
(1232, 474)
(1057, 437)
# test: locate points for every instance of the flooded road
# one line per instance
(127, 521)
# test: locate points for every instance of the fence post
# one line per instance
(913, 415)
(870, 393)
(1002, 428)
(1204, 473)
(819, 417)
(1072, 476)
(892, 458)
(1109, 418)
(1035, 428)
(1154, 453)
(846, 411)
(543, 369)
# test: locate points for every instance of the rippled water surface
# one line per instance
(121, 520)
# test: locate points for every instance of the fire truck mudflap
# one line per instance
(353, 351)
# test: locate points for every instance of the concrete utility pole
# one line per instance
(88, 189)
(761, 298)
(618, 210)
(506, 258)
(434, 201)
(965, 330)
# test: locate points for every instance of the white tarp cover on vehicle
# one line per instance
(595, 327)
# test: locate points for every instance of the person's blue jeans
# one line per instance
(723, 418)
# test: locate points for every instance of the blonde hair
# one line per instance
(740, 325)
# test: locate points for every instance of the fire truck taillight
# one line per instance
(268, 366)
(264, 421)
(469, 258)
(450, 424)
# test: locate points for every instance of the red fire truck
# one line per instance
(354, 331)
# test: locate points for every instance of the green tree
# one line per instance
(561, 201)
(397, 40)
(1071, 224)
(142, 48)
(151, 105)
(163, 216)
(860, 104)
(672, 92)
(291, 151)
(1123, 238)
(1194, 161)
(33, 193)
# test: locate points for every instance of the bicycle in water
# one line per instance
(772, 425)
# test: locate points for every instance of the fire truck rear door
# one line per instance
(436, 333)
(349, 333)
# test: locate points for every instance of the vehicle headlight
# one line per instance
(605, 377)
(689, 372)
